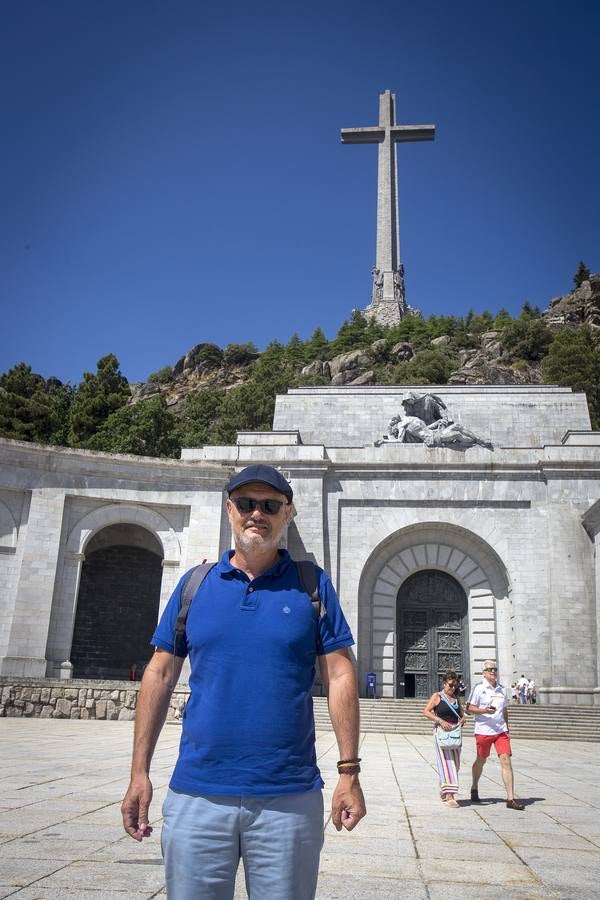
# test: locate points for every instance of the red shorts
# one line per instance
(500, 741)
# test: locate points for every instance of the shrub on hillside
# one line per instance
(162, 376)
(526, 338)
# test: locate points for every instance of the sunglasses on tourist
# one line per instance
(490, 670)
(249, 504)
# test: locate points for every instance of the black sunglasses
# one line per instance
(249, 504)
(490, 670)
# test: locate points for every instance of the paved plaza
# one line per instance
(61, 783)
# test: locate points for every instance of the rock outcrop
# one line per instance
(348, 366)
(580, 307)
(402, 352)
(317, 367)
(485, 365)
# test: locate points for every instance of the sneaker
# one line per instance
(475, 796)
(514, 804)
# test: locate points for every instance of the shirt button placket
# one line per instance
(250, 600)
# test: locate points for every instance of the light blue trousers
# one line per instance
(279, 839)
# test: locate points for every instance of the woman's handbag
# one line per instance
(452, 739)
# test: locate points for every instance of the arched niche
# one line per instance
(117, 602)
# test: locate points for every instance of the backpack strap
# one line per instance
(307, 573)
(189, 589)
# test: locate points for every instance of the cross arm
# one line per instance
(362, 135)
(412, 133)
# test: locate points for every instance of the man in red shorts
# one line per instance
(488, 702)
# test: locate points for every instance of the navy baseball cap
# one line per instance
(262, 475)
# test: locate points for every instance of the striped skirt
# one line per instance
(448, 764)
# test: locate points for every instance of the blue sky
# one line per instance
(172, 172)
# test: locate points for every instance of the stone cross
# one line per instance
(388, 272)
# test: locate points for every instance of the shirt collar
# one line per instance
(486, 684)
(225, 568)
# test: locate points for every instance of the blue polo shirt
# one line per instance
(248, 726)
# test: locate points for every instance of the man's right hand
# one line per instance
(135, 806)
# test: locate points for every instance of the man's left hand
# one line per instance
(348, 803)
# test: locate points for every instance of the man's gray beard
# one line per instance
(249, 542)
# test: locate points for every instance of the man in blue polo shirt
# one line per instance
(246, 782)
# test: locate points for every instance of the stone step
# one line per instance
(533, 722)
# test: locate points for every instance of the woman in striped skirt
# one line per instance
(445, 710)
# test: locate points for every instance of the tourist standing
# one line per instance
(531, 691)
(445, 710)
(246, 782)
(488, 702)
(522, 685)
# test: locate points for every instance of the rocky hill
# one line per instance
(488, 360)
(212, 393)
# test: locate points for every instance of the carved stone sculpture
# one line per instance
(399, 283)
(377, 283)
(434, 427)
(428, 407)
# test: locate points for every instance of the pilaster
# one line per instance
(33, 605)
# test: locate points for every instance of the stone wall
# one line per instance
(51, 698)
(509, 416)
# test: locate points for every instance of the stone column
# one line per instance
(62, 621)
(33, 606)
(591, 523)
(573, 620)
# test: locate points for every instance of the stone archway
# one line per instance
(117, 602)
(88, 532)
(445, 548)
(113, 513)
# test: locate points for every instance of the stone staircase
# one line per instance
(556, 723)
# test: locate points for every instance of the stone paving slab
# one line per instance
(61, 784)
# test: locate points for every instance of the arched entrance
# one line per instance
(432, 632)
(435, 548)
(117, 603)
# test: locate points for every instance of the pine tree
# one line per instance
(97, 396)
(573, 361)
(526, 338)
(530, 312)
(502, 319)
(146, 428)
(33, 408)
(581, 275)
(200, 417)
(351, 335)
(317, 346)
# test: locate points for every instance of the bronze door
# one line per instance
(431, 632)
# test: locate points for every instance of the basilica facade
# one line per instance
(444, 553)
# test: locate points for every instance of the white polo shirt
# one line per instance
(485, 695)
